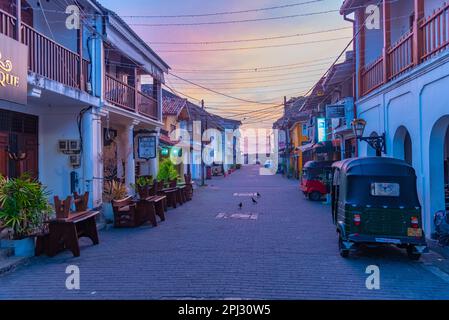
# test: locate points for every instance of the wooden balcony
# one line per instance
(127, 97)
(46, 57)
(431, 39)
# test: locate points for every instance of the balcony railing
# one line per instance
(119, 93)
(435, 32)
(400, 56)
(432, 38)
(46, 57)
(372, 75)
(147, 105)
(127, 97)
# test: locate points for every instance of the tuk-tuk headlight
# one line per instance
(415, 222)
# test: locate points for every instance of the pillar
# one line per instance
(130, 164)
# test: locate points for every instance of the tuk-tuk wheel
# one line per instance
(315, 196)
(341, 248)
(413, 255)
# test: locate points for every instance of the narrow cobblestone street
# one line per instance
(284, 247)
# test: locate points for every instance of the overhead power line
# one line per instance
(227, 12)
(255, 47)
(207, 42)
(180, 24)
(303, 63)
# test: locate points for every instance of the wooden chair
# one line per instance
(169, 193)
(62, 208)
(81, 201)
(125, 213)
(188, 187)
(160, 202)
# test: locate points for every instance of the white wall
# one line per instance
(419, 102)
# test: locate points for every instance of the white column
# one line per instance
(154, 163)
(88, 162)
(130, 167)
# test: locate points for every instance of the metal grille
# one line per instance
(391, 222)
(18, 122)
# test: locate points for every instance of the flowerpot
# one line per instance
(108, 212)
(22, 248)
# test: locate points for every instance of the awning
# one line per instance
(164, 140)
(306, 147)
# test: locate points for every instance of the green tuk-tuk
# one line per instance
(375, 202)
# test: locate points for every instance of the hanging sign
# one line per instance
(13, 70)
(146, 147)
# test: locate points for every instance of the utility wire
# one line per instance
(208, 42)
(255, 47)
(183, 24)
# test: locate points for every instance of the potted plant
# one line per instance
(24, 210)
(142, 186)
(112, 190)
(167, 171)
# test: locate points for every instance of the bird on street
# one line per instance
(254, 201)
(258, 194)
(240, 205)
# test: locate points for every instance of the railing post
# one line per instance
(18, 20)
(136, 83)
(417, 32)
(386, 9)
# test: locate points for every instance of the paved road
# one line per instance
(288, 252)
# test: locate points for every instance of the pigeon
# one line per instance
(240, 205)
(254, 201)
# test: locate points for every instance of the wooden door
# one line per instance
(29, 144)
(3, 154)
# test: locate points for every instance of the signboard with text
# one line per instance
(336, 111)
(321, 128)
(146, 147)
(13, 70)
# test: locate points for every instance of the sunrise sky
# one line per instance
(212, 68)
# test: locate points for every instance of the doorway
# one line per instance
(18, 144)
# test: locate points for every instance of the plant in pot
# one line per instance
(112, 190)
(24, 210)
(143, 185)
(167, 171)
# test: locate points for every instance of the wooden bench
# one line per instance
(131, 213)
(64, 233)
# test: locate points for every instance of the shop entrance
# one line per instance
(18, 144)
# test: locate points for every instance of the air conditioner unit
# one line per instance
(75, 160)
(63, 146)
(74, 146)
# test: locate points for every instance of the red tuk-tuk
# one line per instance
(315, 179)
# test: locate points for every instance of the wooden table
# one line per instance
(65, 233)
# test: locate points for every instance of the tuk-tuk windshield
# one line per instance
(316, 173)
(379, 191)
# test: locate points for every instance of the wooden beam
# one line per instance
(386, 17)
(417, 31)
(18, 20)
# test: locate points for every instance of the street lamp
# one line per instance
(374, 140)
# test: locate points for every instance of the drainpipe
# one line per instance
(354, 82)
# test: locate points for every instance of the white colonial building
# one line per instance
(403, 88)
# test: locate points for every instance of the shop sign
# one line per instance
(321, 127)
(146, 147)
(13, 70)
(337, 111)
(282, 140)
